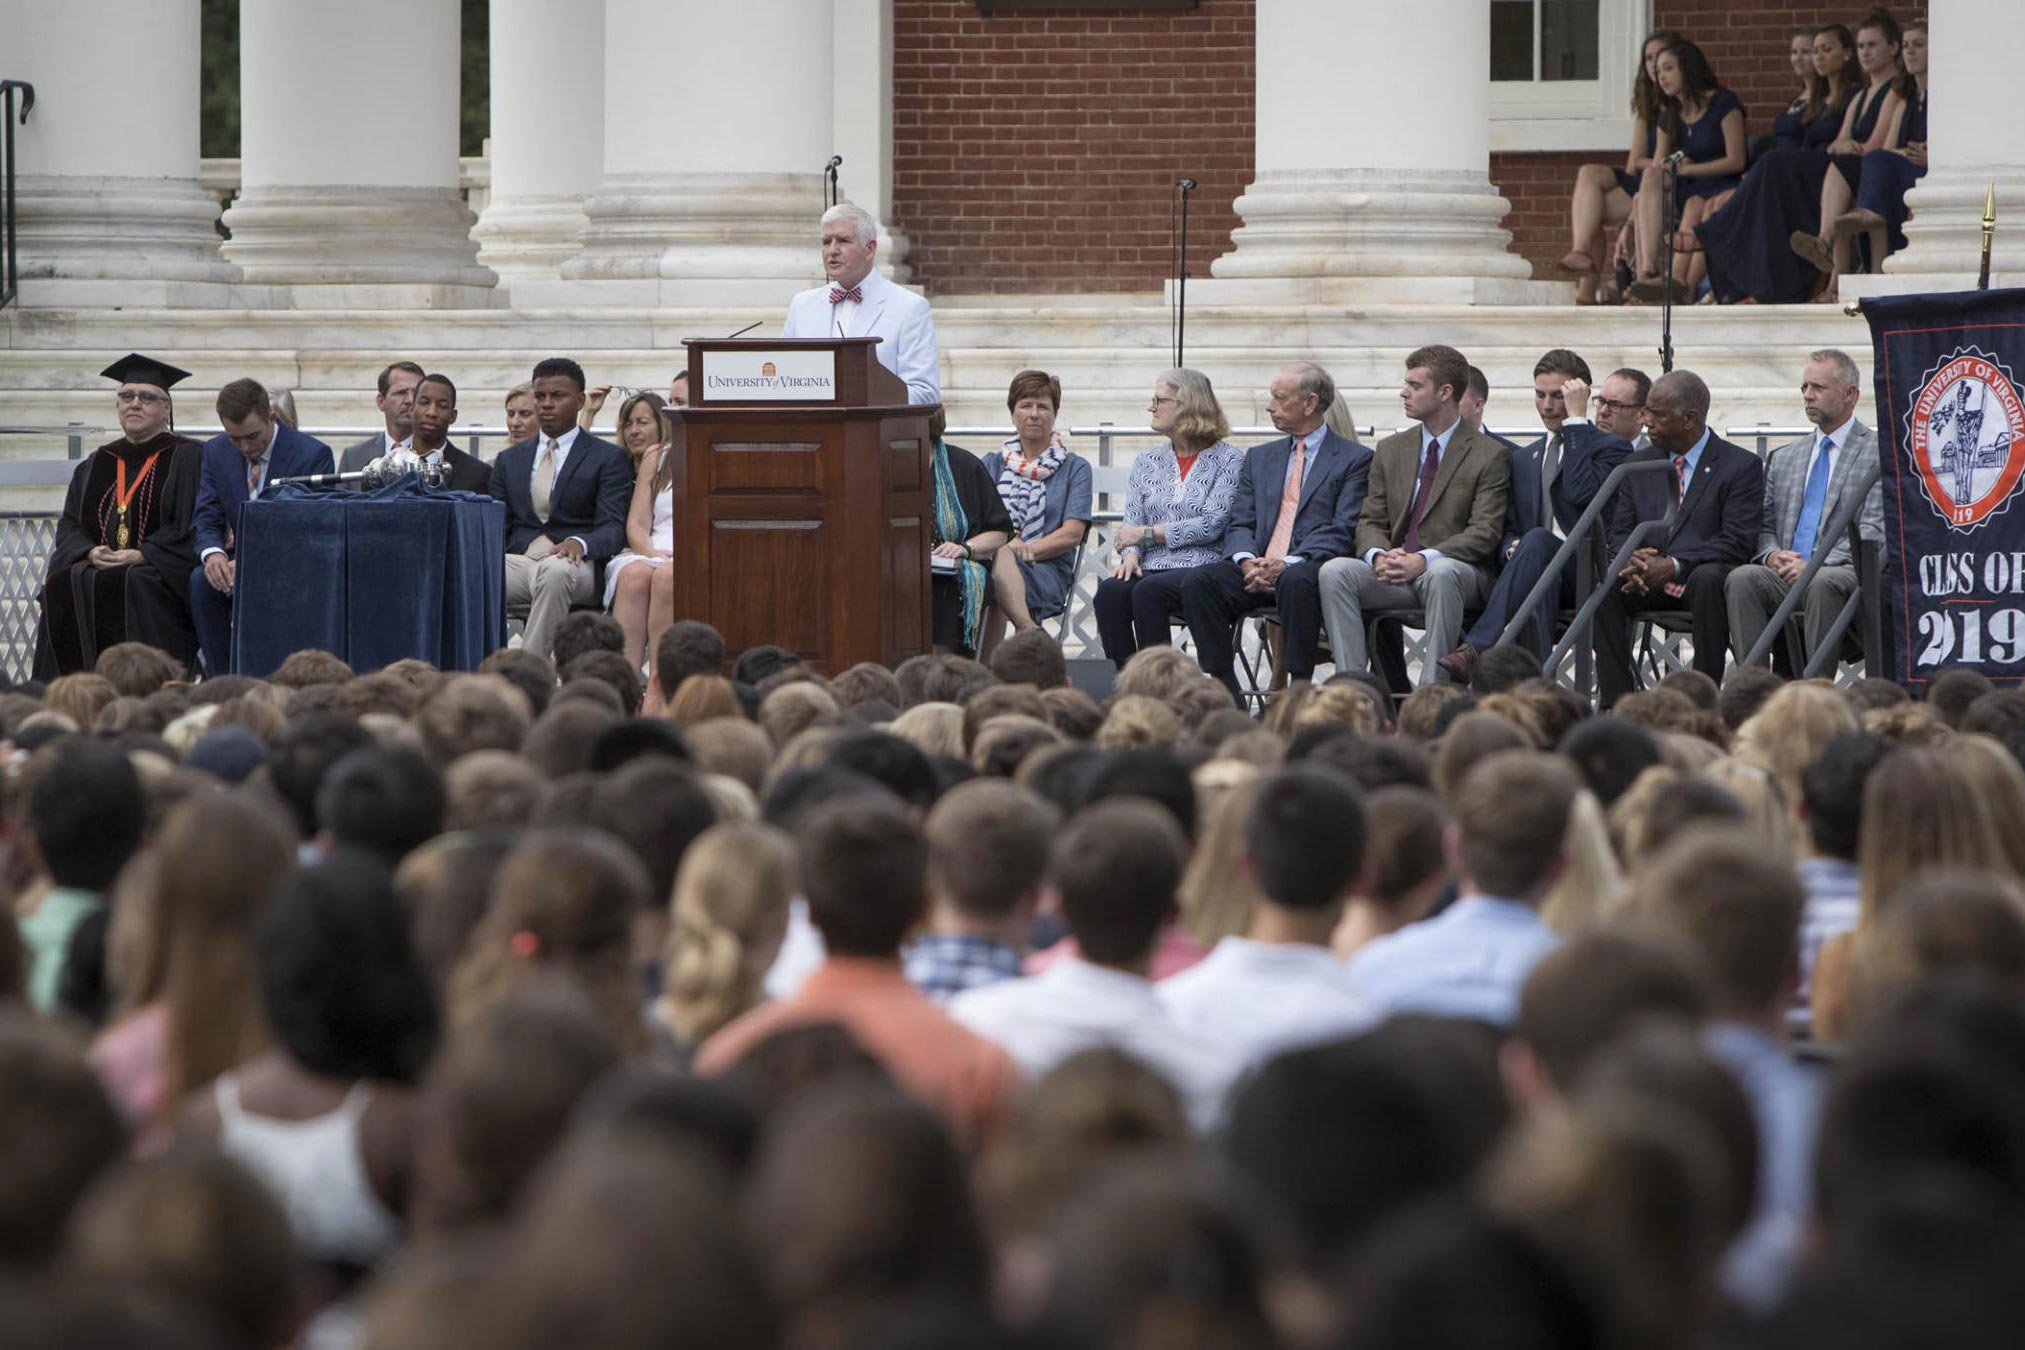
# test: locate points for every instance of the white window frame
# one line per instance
(1577, 114)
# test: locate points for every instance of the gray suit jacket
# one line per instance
(1786, 487)
(361, 453)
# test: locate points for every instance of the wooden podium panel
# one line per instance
(806, 523)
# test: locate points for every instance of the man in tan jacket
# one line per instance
(1435, 510)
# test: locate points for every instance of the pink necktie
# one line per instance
(1290, 501)
(838, 295)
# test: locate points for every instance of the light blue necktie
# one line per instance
(1812, 501)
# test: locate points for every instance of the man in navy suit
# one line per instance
(1553, 481)
(1273, 557)
(255, 449)
(1716, 494)
(566, 494)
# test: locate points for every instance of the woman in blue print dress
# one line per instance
(1744, 235)
(1708, 129)
(1178, 504)
(1046, 488)
(1866, 127)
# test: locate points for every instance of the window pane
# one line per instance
(1512, 40)
(1568, 39)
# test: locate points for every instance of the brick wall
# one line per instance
(1744, 41)
(1037, 152)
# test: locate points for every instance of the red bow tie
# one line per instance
(838, 295)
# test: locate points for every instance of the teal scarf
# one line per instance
(953, 527)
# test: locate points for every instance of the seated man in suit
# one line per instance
(1714, 500)
(566, 494)
(1431, 522)
(435, 410)
(1553, 482)
(858, 302)
(397, 406)
(1296, 507)
(1806, 483)
(255, 449)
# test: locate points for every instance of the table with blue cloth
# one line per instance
(408, 570)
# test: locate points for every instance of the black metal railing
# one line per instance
(10, 265)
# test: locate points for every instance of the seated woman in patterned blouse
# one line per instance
(1177, 507)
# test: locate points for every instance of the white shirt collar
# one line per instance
(563, 442)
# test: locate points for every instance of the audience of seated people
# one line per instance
(479, 1029)
(357, 1075)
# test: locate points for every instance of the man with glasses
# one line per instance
(1553, 481)
(120, 568)
(396, 403)
(1711, 500)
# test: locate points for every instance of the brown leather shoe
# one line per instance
(1461, 663)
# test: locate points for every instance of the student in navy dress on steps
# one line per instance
(1880, 213)
(1708, 129)
(1603, 195)
(1744, 237)
(1865, 128)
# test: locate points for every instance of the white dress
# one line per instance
(661, 539)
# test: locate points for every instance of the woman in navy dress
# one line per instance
(1603, 195)
(1708, 128)
(1865, 127)
(1047, 491)
(1880, 213)
(1743, 237)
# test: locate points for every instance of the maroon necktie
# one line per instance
(838, 295)
(1679, 479)
(1421, 493)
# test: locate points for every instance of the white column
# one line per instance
(717, 127)
(548, 131)
(861, 100)
(1373, 180)
(348, 148)
(109, 208)
(1972, 51)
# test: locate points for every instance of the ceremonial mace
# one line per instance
(1989, 233)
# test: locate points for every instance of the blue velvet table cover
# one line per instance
(408, 570)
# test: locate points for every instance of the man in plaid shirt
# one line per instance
(988, 844)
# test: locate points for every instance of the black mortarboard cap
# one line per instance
(133, 368)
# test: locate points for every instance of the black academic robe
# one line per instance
(86, 609)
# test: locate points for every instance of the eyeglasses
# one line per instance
(1614, 406)
(140, 396)
(1159, 399)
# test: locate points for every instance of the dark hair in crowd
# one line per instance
(1116, 866)
(550, 366)
(1304, 837)
(345, 993)
(87, 812)
(383, 801)
(864, 872)
(1444, 365)
(386, 380)
(1832, 789)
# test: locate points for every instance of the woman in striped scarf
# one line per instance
(1047, 490)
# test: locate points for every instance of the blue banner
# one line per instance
(1951, 441)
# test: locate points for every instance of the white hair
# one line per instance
(863, 221)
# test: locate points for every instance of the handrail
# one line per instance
(1844, 520)
(10, 264)
(1583, 616)
(1830, 651)
(1584, 524)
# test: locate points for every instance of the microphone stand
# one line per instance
(1672, 181)
(1184, 186)
(831, 194)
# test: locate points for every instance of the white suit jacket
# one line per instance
(888, 311)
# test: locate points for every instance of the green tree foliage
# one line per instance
(220, 89)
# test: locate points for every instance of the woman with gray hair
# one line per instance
(1178, 504)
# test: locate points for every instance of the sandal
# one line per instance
(1813, 250)
(1686, 241)
(1653, 290)
(1579, 263)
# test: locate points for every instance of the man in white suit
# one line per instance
(858, 302)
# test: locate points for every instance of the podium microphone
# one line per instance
(322, 479)
(743, 331)
(831, 195)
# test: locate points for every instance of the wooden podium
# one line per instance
(804, 500)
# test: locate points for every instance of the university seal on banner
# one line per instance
(1966, 430)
